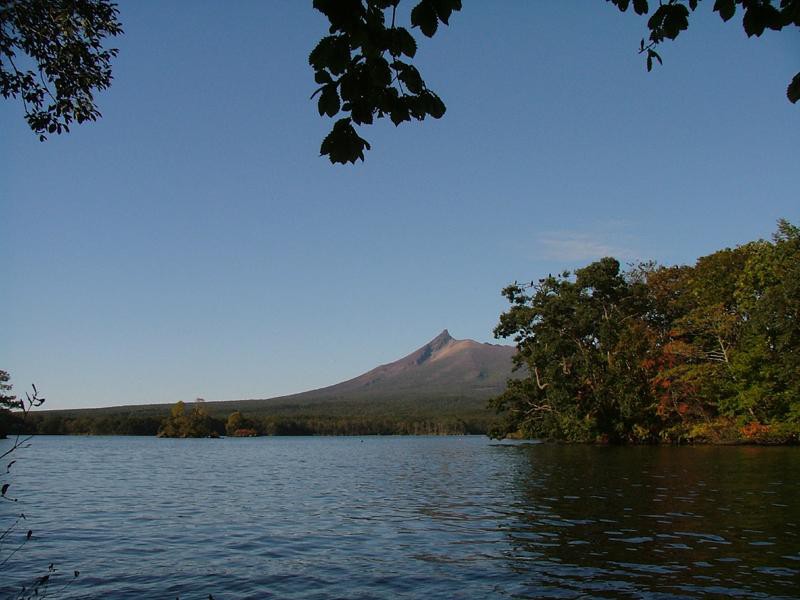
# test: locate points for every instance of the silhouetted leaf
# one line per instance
(651, 54)
(434, 105)
(424, 16)
(332, 53)
(406, 42)
(379, 71)
(443, 10)
(675, 20)
(725, 8)
(640, 7)
(343, 144)
(793, 91)
(753, 22)
(4, 489)
(322, 77)
(409, 75)
(329, 103)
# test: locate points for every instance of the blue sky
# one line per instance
(192, 243)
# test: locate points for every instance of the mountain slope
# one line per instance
(442, 366)
(444, 377)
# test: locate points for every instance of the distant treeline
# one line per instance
(702, 353)
(213, 425)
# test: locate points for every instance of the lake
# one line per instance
(403, 517)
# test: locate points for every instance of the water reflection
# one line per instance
(660, 522)
(407, 518)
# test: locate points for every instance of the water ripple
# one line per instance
(406, 518)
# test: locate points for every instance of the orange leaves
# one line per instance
(755, 430)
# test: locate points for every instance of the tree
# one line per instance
(766, 369)
(705, 352)
(196, 424)
(52, 58)
(362, 71)
(363, 66)
(7, 402)
(238, 425)
(582, 338)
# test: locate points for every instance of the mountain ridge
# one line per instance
(445, 375)
(464, 367)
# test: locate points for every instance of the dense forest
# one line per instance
(197, 419)
(703, 353)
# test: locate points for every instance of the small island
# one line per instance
(195, 424)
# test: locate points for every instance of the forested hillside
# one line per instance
(709, 352)
(440, 388)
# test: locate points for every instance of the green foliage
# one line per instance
(393, 416)
(709, 352)
(7, 402)
(581, 339)
(238, 425)
(195, 424)
(63, 41)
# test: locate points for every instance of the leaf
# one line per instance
(653, 54)
(443, 10)
(379, 72)
(424, 16)
(322, 77)
(329, 103)
(622, 5)
(725, 8)
(676, 20)
(406, 42)
(399, 114)
(756, 20)
(434, 105)
(332, 53)
(343, 145)
(4, 489)
(319, 55)
(640, 7)
(409, 75)
(793, 91)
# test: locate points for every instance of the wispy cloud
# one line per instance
(575, 246)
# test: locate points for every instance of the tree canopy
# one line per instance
(53, 57)
(7, 402)
(706, 352)
(197, 423)
(364, 69)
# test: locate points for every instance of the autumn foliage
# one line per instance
(709, 352)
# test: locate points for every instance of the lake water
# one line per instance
(403, 517)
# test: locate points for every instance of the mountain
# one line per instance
(442, 366)
(446, 376)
